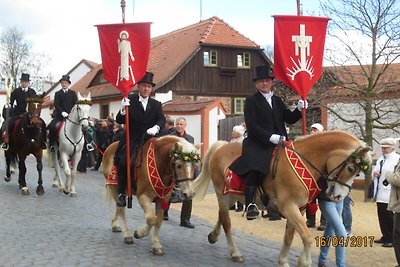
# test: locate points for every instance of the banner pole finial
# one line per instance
(123, 4)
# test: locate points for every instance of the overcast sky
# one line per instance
(64, 30)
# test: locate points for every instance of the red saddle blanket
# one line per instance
(233, 183)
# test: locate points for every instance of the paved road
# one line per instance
(57, 230)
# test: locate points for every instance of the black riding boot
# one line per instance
(121, 187)
(251, 208)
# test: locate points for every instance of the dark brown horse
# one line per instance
(334, 155)
(27, 136)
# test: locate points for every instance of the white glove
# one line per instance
(302, 104)
(276, 138)
(125, 102)
(153, 130)
(64, 114)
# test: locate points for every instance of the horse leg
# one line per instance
(67, 171)
(119, 212)
(21, 176)
(225, 219)
(39, 167)
(295, 221)
(144, 230)
(75, 159)
(8, 157)
(283, 259)
(57, 181)
(155, 241)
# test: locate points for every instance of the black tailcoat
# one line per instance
(18, 100)
(261, 122)
(64, 102)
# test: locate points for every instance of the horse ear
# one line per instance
(198, 146)
(88, 97)
(79, 96)
(178, 146)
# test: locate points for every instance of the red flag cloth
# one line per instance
(125, 53)
(298, 51)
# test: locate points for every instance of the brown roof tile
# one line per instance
(184, 106)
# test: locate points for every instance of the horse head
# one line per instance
(186, 161)
(342, 167)
(35, 108)
(82, 109)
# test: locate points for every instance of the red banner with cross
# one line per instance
(298, 51)
(125, 52)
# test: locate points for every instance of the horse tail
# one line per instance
(202, 182)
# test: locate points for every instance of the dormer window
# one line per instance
(243, 60)
(210, 58)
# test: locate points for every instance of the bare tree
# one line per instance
(364, 38)
(17, 56)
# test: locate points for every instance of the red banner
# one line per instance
(125, 53)
(298, 51)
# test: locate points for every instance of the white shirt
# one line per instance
(25, 89)
(268, 97)
(143, 101)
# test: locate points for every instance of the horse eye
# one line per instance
(351, 170)
(179, 166)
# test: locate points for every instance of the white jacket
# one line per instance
(382, 192)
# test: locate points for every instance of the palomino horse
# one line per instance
(27, 137)
(335, 155)
(161, 164)
(70, 144)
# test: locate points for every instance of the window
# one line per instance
(104, 111)
(210, 58)
(243, 60)
(238, 105)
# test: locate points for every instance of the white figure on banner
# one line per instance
(125, 51)
(302, 47)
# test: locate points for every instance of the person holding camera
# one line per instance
(385, 164)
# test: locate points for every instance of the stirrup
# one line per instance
(252, 211)
(4, 146)
(89, 147)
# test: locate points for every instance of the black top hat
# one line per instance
(147, 78)
(65, 78)
(264, 72)
(25, 77)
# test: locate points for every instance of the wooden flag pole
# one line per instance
(127, 138)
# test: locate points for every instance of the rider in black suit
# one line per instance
(18, 104)
(265, 116)
(64, 100)
(146, 118)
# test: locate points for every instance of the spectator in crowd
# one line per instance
(103, 139)
(169, 126)
(237, 135)
(394, 206)
(386, 163)
(118, 132)
(186, 211)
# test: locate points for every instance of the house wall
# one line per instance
(196, 79)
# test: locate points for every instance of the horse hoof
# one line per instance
(7, 179)
(158, 252)
(40, 190)
(128, 240)
(116, 229)
(72, 194)
(65, 192)
(136, 235)
(25, 191)
(212, 238)
(54, 185)
(239, 259)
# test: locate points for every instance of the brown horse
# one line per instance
(175, 160)
(27, 137)
(335, 155)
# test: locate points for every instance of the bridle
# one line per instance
(328, 176)
(79, 122)
(175, 175)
